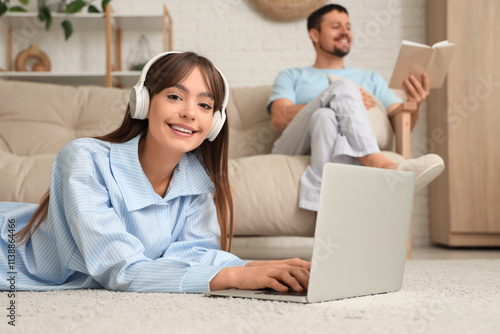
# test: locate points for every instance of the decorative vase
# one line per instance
(32, 52)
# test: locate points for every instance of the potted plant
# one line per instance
(45, 10)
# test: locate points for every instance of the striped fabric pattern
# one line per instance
(107, 227)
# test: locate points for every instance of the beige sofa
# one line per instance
(37, 120)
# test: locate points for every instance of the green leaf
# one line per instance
(44, 15)
(3, 8)
(24, 2)
(75, 6)
(104, 3)
(93, 9)
(68, 29)
(17, 9)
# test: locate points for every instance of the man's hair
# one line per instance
(314, 20)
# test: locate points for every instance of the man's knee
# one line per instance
(341, 89)
(323, 122)
(323, 116)
(344, 85)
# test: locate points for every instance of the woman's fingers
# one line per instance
(296, 262)
(301, 279)
(278, 275)
(292, 277)
(299, 263)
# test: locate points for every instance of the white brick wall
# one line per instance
(251, 48)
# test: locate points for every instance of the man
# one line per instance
(330, 122)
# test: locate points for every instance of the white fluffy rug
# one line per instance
(438, 296)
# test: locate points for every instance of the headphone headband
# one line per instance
(145, 69)
(139, 98)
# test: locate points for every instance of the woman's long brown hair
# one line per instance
(164, 73)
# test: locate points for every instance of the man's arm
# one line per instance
(282, 112)
(415, 92)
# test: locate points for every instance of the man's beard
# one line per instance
(336, 51)
(340, 53)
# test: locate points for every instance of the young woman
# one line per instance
(144, 208)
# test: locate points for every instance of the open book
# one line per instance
(415, 58)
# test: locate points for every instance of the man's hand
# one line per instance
(277, 275)
(367, 99)
(416, 91)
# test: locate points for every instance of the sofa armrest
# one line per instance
(402, 120)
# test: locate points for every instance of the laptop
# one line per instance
(360, 239)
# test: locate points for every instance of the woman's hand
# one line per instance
(277, 275)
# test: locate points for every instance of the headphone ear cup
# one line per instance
(133, 102)
(218, 120)
(145, 103)
(139, 102)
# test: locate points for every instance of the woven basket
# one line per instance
(287, 10)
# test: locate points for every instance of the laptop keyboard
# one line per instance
(279, 293)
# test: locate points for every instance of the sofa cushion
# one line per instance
(37, 120)
(249, 123)
(42, 118)
(266, 193)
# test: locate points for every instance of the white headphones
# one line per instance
(139, 99)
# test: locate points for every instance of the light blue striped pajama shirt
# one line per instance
(107, 228)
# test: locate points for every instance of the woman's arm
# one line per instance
(278, 275)
(125, 250)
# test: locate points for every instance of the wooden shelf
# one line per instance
(125, 79)
(138, 22)
(68, 78)
(89, 21)
(116, 23)
(84, 21)
(110, 23)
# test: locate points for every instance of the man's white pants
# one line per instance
(334, 127)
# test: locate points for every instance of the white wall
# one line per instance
(251, 48)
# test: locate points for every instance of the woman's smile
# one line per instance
(182, 130)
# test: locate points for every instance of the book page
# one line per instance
(405, 42)
(413, 59)
(439, 65)
(441, 44)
